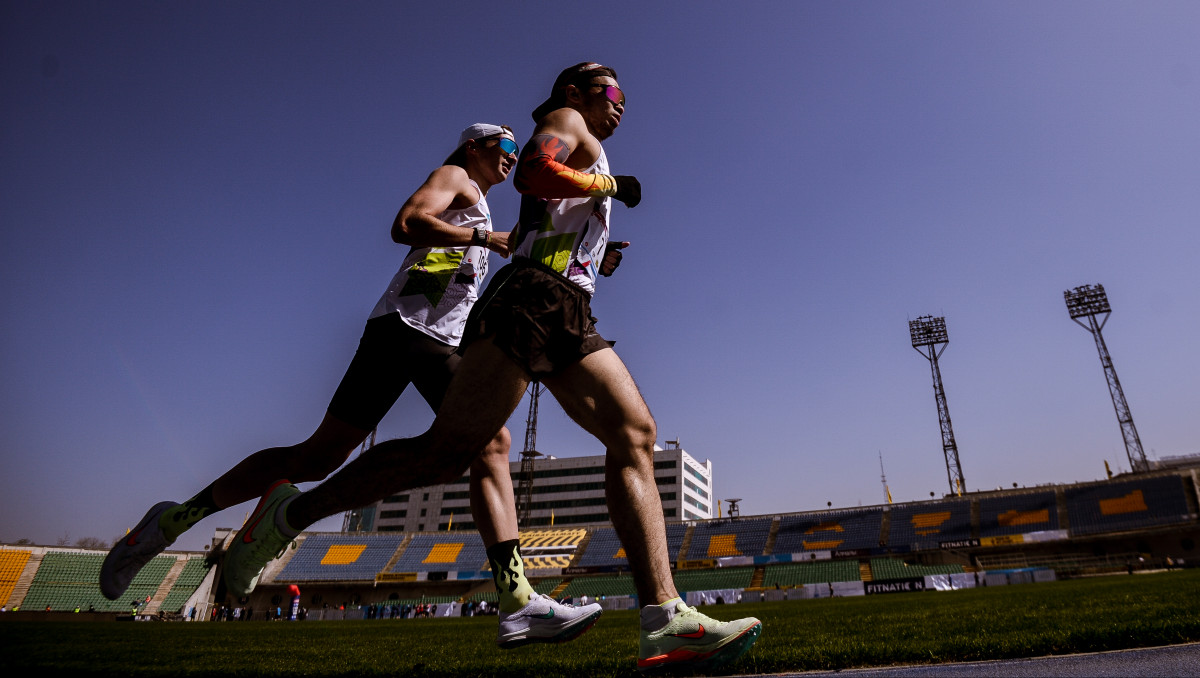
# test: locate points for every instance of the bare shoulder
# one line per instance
(449, 176)
(568, 125)
(562, 122)
(447, 186)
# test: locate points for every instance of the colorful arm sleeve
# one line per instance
(541, 173)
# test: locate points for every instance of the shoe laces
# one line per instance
(266, 544)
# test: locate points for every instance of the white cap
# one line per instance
(478, 131)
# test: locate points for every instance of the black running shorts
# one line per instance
(535, 315)
(390, 356)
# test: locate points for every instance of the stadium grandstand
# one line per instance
(49, 579)
(927, 525)
(1144, 520)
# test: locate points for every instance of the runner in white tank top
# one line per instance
(570, 234)
(435, 287)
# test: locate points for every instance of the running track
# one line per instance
(1172, 660)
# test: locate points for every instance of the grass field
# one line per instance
(1083, 615)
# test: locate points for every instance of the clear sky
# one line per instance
(195, 200)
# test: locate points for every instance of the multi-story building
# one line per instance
(566, 492)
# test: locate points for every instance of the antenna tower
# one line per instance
(1088, 302)
(353, 520)
(883, 479)
(929, 333)
(528, 454)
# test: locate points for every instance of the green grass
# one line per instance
(1017, 621)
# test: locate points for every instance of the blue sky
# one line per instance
(195, 200)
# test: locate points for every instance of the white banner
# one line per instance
(715, 597)
(848, 588)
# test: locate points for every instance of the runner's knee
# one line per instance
(636, 438)
(498, 447)
(316, 464)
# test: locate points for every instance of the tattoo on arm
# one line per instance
(541, 172)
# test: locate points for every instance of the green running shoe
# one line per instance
(263, 538)
(693, 640)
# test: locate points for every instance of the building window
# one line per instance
(659, 465)
(669, 513)
(426, 498)
(393, 514)
(692, 486)
(691, 516)
(422, 513)
(569, 503)
(667, 496)
(699, 476)
(390, 528)
(567, 520)
(695, 503)
(574, 487)
(396, 499)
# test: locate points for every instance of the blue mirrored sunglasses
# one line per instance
(508, 146)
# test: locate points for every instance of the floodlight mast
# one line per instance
(1088, 302)
(528, 454)
(929, 333)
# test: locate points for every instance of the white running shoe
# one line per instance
(131, 553)
(545, 620)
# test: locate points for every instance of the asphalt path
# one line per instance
(1172, 660)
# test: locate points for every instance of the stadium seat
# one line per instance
(718, 539)
(819, 572)
(66, 579)
(12, 564)
(924, 526)
(1018, 514)
(189, 580)
(340, 557)
(604, 548)
(1128, 505)
(443, 552)
(829, 531)
(550, 548)
(891, 568)
(711, 580)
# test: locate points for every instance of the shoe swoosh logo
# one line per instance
(699, 633)
(248, 538)
(548, 615)
(133, 538)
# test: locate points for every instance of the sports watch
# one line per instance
(480, 237)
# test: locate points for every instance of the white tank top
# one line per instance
(435, 287)
(571, 235)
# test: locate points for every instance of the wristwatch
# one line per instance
(480, 237)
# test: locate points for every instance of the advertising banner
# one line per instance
(894, 586)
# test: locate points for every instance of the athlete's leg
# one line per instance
(390, 355)
(492, 502)
(600, 395)
(318, 456)
(485, 391)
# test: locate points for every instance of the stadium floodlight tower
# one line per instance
(929, 333)
(362, 518)
(1090, 301)
(528, 454)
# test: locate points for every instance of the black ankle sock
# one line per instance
(181, 518)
